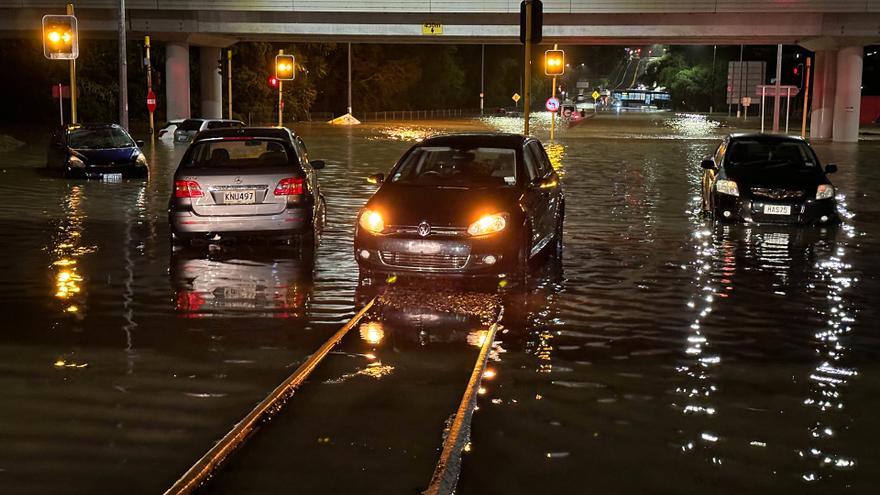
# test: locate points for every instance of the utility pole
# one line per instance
(229, 81)
(123, 69)
(527, 68)
(777, 100)
(712, 86)
(482, 76)
(349, 78)
(806, 100)
(740, 90)
(72, 79)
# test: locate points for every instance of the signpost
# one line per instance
(61, 42)
(516, 97)
(61, 92)
(776, 90)
(151, 97)
(746, 103)
(531, 17)
(432, 29)
(552, 104)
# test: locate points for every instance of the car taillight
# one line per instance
(187, 189)
(289, 186)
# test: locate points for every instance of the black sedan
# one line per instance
(466, 204)
(762, 178)
(95, 151)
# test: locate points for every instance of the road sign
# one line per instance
(595, 95)
(770, 90)
(566, 112)
(64, 91)
(60, 37)
(746, 101)
(516, 97)
(432, 29)
(552, 104)
(151, 101)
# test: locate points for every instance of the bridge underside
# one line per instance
(225, 27)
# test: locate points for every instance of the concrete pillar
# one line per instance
(824, 77)
(211, 83)
(848, 94)
(177, 81)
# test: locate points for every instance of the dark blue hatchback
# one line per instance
(100, 151)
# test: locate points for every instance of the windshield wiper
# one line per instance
(769, 163)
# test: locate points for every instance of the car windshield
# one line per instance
(190, 125)
(100, 138)
(778, 155)
(447, 166)
(239, 153)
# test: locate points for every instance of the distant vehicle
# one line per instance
(467, 204)
(95, 151)
(246, 182)
(166, 133)
(763, 178)
(189, 128)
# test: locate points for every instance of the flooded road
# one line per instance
(662, 354)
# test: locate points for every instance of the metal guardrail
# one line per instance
(393, 115)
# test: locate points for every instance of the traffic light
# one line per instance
(796, 70)
(554, 62)
(284, 67)
(60, 37)
(220, 66)
(273, 82)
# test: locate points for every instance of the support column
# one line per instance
(824, 77)
(177, 81)
(848, 94)
(211, 83)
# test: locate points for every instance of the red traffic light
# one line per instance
(796, 70)
(273, 82)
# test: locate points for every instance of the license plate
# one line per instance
(111, 177)
(239, 292)
(239, 197)
(777, 210)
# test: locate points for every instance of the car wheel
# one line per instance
(521, 270)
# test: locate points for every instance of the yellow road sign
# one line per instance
(516, 97)
(595, 95)
(432, 29)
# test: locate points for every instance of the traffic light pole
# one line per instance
(806, 100)
(280, 101)
(229, 81)
(553, 94)
(149, 84)
(527, 71)
(72, 78)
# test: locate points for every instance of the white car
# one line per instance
(189, 128)
(166, 133)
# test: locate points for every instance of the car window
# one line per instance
(541, 160)
(240, 153)
(190, 125)
(301, 148)
(531, 163)
(756, 154)
(221, 124)
(99, 138)
(450, 166)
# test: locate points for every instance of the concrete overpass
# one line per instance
(836, 29)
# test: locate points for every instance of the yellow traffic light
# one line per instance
(284, 67)
(60, 39)
(554, 62)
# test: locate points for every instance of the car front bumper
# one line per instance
(101, 172)
(751, 210)
(435, 256)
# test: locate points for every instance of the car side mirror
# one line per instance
(708, 164)
(376, 178)
(139, 143)
(317, 164)
(830, 168)
(547, 182)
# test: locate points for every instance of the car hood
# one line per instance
(806, 181)
(441, 206)
(107, 156)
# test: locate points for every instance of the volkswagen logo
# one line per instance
(424, 229)
(237, 180)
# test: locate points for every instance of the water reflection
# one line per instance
(66, 249)
(237, 282)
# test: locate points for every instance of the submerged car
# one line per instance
(187, 130)
(166, 133)
(100, 151)
(466, 204)
(764, 178)
(246, 182)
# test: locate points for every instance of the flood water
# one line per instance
(661, 354)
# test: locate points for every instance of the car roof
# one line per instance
(477, 139)
(93, 125)
(255, 132)
(755, 136)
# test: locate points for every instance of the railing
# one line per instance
(394, 115)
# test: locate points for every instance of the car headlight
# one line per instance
(825, 191)
(75, 162)
(728, 187)
(488, 224)
(371, 221)
(141, 160)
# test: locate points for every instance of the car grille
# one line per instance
(435, 230)
(424, 261)
(776, 193)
